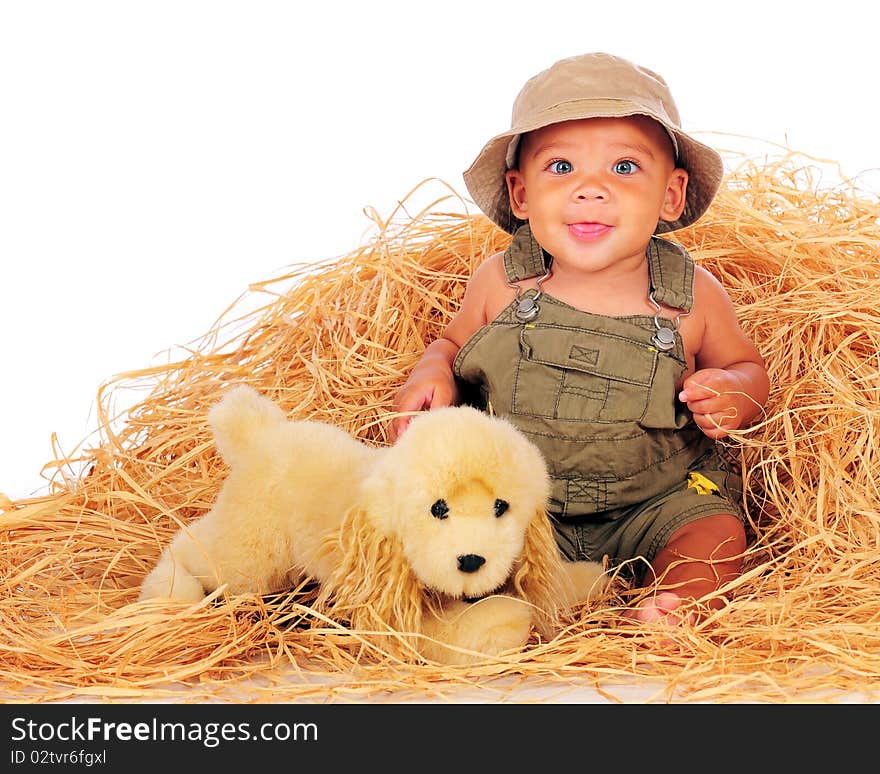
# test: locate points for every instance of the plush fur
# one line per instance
(442, 537)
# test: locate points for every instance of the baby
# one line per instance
(605, 344)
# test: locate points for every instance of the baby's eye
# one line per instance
(625, 167)
(440, 510)
(560, 167)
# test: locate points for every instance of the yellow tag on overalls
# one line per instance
(702, 484)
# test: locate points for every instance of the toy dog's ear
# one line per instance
(539, 574)
(373, 586)
(379, 493)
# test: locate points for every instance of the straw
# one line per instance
(333, 340)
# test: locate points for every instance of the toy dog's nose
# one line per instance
(470, 562)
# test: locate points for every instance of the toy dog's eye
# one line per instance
(501, 506)
(440, 510)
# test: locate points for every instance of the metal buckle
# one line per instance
(664, 338)
(527, 307)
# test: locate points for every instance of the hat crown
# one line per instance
(595, 76)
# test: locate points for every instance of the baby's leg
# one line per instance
(698, 559)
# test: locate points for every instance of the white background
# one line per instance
(156, 157)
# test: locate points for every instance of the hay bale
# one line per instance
(334, 340)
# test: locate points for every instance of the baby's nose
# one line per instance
(470, 562)
(590, 190)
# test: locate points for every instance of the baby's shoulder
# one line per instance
(491, 270)
(706, 285)
(712, 303)
(489, 278)
(487, 290)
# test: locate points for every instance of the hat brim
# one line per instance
(485, 177)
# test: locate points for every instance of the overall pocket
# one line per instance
(575, 374)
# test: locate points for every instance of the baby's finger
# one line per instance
(695, 391)
(440, 397)
(398, 425)
(714, 425)
(711, 405)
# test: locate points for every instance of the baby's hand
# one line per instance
(425, 390)
(717, 400)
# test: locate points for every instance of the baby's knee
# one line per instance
(719, 536)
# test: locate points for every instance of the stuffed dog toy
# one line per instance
(442, 538)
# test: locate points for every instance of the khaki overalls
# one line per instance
(597, 395)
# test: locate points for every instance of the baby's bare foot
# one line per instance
(661, 608)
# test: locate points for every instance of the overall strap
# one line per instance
(672, 273)
(524, 257)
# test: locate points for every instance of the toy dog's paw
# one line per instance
(490, 627)
(165, 583)
(582, 581)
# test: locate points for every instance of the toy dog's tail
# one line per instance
(241, 420)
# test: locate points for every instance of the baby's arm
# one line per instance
(730, 386)
(431, 383)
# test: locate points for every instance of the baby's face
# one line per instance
(594, 189)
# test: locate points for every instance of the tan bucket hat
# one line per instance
(592, 85)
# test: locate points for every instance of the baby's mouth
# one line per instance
(588, 230)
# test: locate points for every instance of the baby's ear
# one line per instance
(516, 193)
(676, 195)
